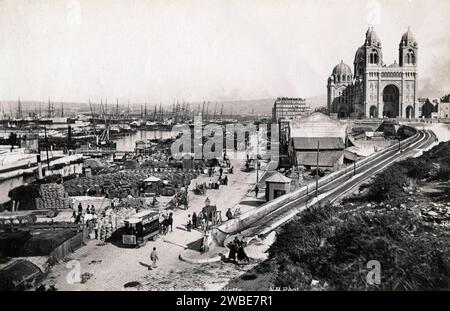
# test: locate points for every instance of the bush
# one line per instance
(388, 184)
(334, 247)
(443, 173)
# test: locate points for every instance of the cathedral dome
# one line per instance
(342, 69)
(408, 38)
(372, 37)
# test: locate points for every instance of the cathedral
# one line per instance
(375, 90)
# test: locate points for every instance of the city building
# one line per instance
(289, 108)
(444, 107)
(426, 107)
(373, 89)
(277, 185)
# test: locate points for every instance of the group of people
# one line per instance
(89, 218)
(196, 220)
(213, 170)
(166, 223)
(80, 217)
(237, 252)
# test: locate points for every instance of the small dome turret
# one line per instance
(342, 72)
(372, 38)
(408, 38)
(342, 69)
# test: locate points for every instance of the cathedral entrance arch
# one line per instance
(342, 112)
(373, 112)
(391, 99)
(409, 112)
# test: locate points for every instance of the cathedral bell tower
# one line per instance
(372, 45)
(408, 50)
(367, 55)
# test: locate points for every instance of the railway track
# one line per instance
(332, 188)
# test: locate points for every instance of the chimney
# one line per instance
(69, 136)
(40, 176)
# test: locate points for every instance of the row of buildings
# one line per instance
(438, 108)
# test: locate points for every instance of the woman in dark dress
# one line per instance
(233, 249)
(194, 220)
(241, 255)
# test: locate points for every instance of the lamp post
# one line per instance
(257, 156)
(46, 148)
(317, 169)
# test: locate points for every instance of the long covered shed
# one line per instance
(326, 152)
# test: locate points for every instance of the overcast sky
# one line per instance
(205, 50)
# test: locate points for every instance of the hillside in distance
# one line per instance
(260, 106)
(255, 107)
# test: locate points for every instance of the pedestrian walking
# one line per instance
(189, 223)
(203, 223)
(154, 257)
(78, 218)
(96, 229)
(229, 214)
(80, 208)
(170, 221)
(220, 172)
(194, 220)
(256, 191)
(74, 217)
(225, 180)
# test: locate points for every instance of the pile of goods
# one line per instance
(120, 184)
(113, 219)
(9, 218)
(52, 196)
(107, 225)
(94, 164)
(40, 196)
(180, 199)
(200, 189)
